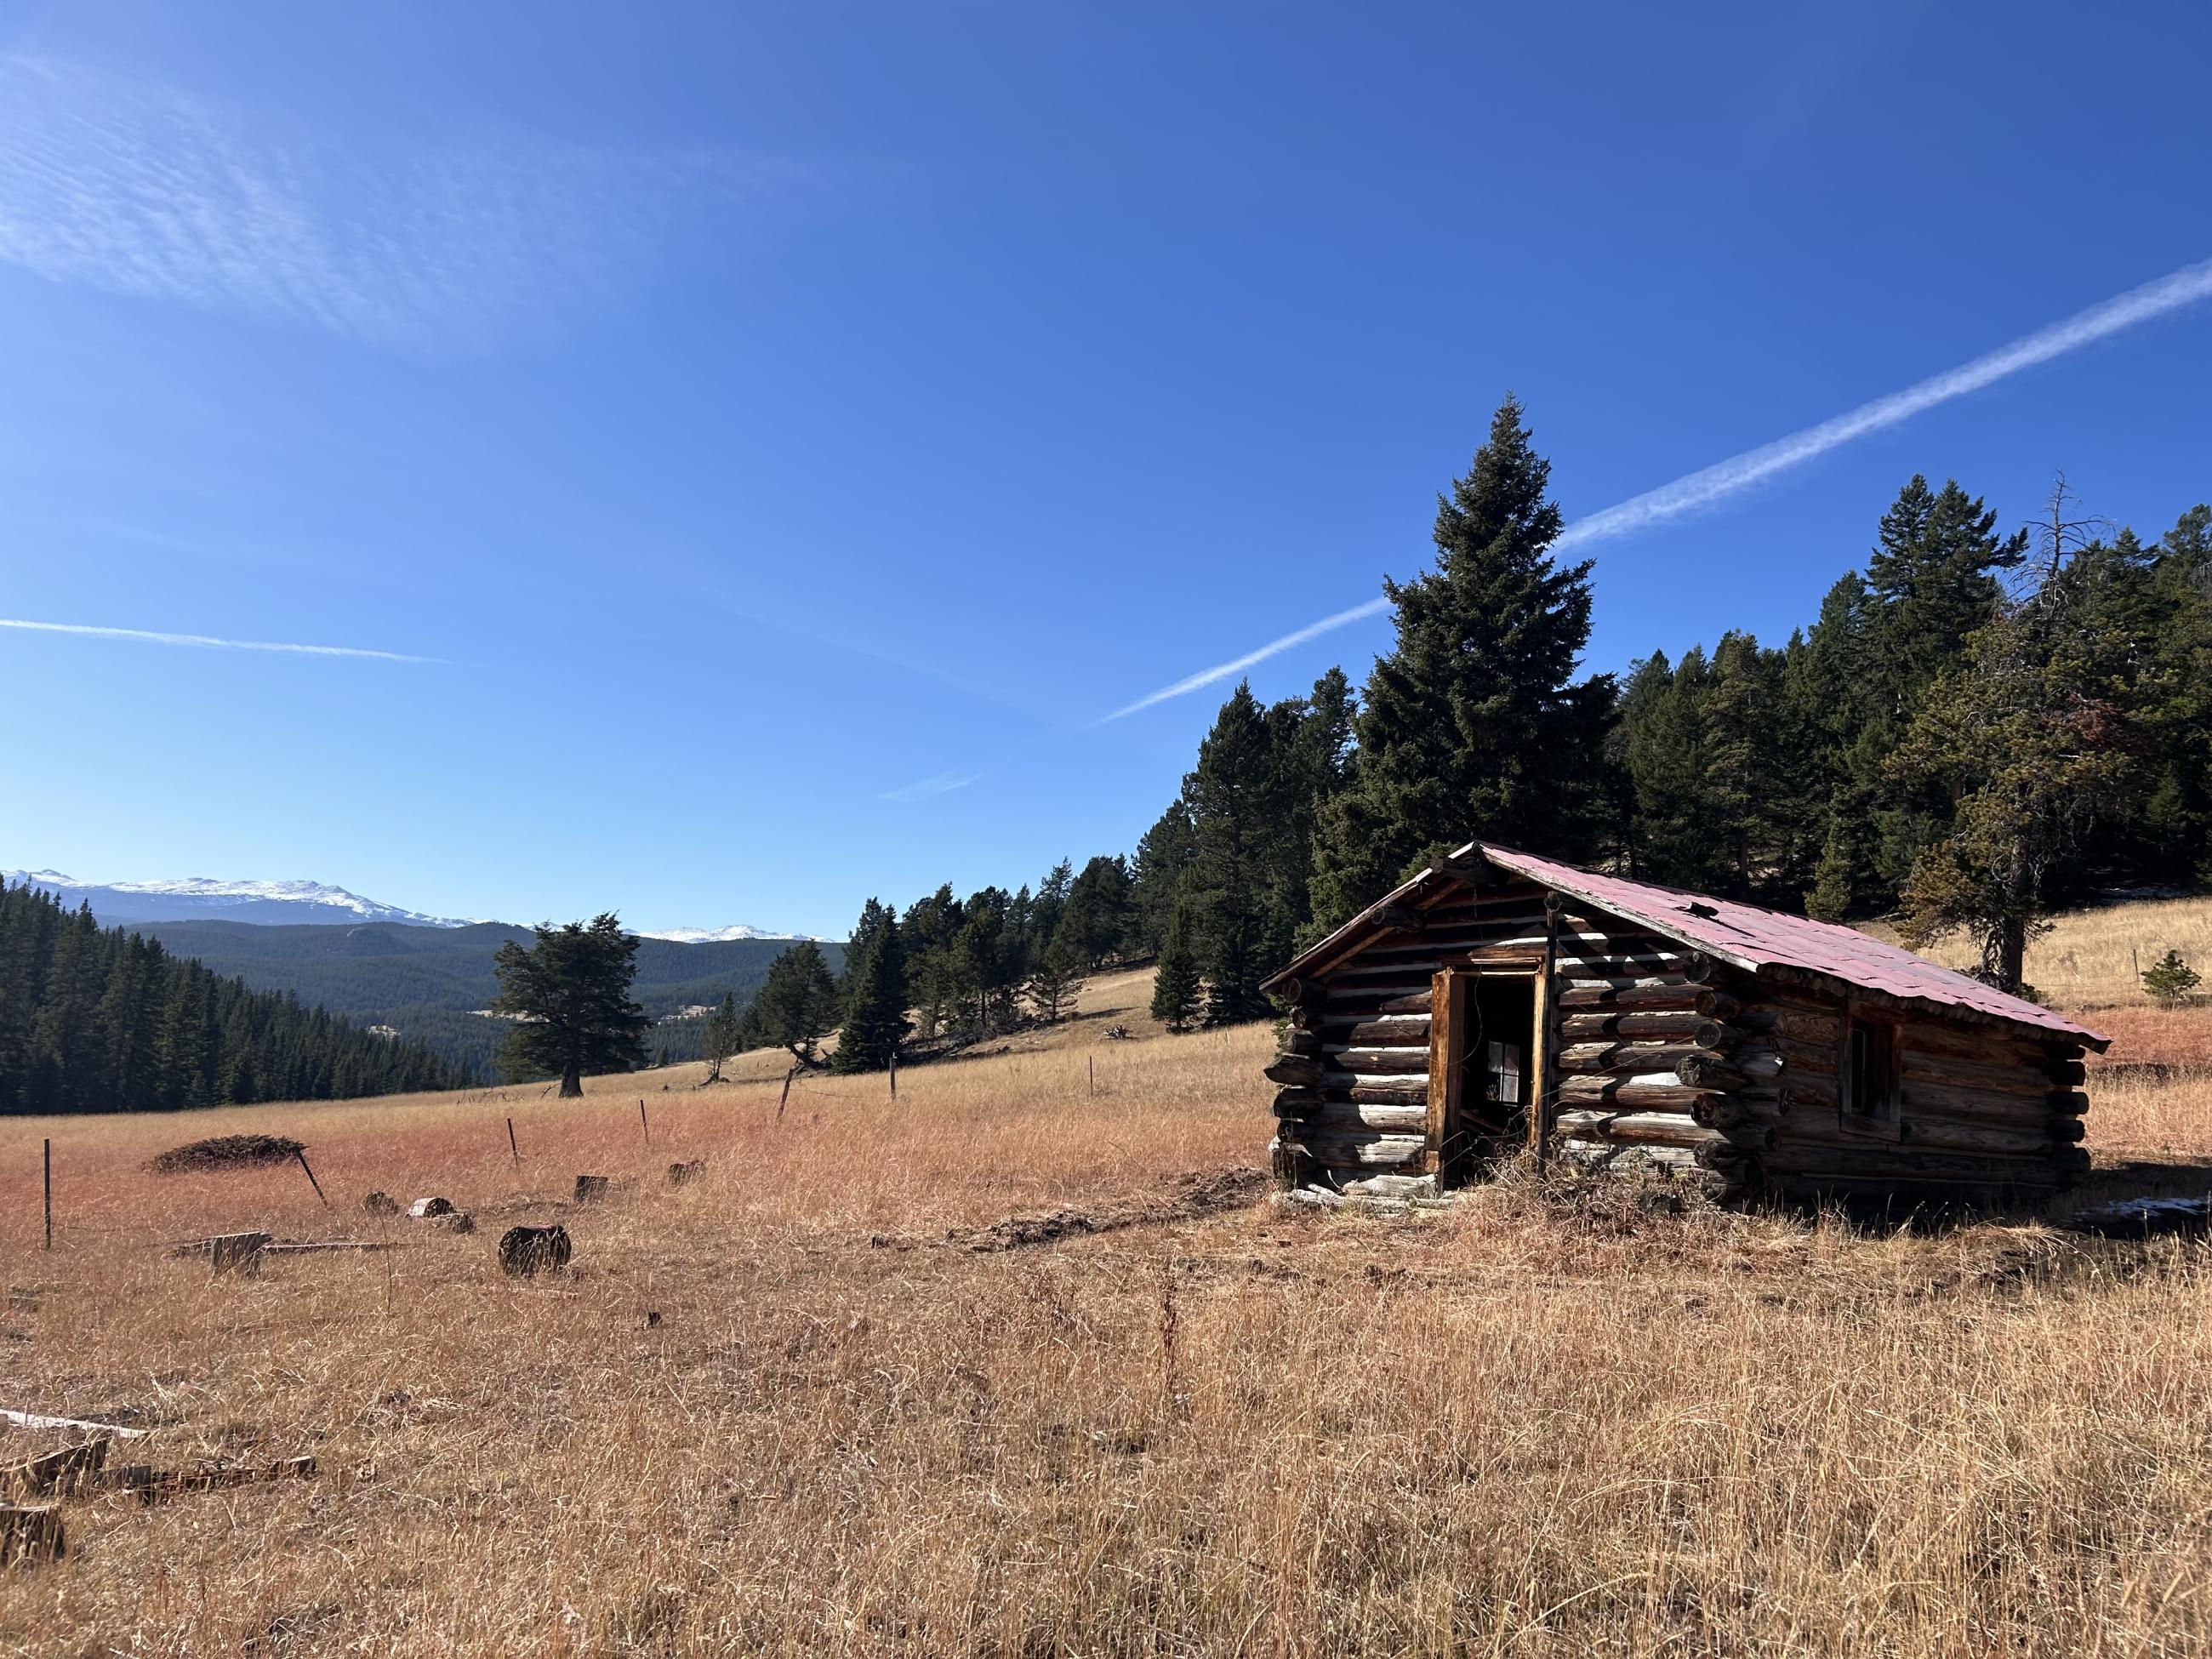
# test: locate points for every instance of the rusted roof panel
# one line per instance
(1753, 937)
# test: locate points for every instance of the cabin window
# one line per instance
(1869, 1072)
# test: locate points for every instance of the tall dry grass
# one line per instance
(1531, 1425)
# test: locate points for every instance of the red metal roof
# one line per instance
(1751, 938)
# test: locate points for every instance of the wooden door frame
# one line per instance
(1449, 989)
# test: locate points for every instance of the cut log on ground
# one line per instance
(38, 1421)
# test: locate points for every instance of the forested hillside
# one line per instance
(428, 983)
(1981, 725)
(94, 1019)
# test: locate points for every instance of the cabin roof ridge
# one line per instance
(1755, 938)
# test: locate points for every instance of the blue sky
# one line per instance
(761, 419)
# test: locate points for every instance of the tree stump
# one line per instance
(527, 1251)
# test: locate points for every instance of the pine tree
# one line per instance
(1098, 915)
(2171, 978)
(797, 1005)
(1054, 981)
(1164, 855)
(568, 995)
(1239, 927)
(931, 927)
(1175, 987)
(1474, 723)
(1932, 580)
(2029, 740)
(875, 1021)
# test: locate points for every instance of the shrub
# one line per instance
(2170, 979)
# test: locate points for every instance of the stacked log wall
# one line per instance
(1984, 1111)
(1663, 1056)
(1358, 1061)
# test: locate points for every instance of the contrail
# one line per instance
(1206, 676)
(207, 640)
(1685, 495)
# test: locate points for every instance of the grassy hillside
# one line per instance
(2093, 960)
(1026, 1363)
(429, 982)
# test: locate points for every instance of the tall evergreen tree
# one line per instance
(1932, 579)
(1240, 928)
(568, 995)
(875, 1021)
(1097, 918)
(1474, 723)
(2030, 740)
(1054, 980)
(1164, 855)
(797, 1005)
(1175, 987)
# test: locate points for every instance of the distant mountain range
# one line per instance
(420, 976)
(199, 898)
(431, 985)
(281, 903)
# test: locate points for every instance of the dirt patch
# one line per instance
(228, 1152)
(1194, 1196)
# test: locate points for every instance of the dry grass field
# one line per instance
(1021, 1365)
(2093, 960)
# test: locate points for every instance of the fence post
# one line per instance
(1094, 1074)
(643, 1125)
(302, 1156)
(49, 1157)
(894, 1074)
(786, 1101)
(512, 1148)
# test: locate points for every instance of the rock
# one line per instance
(526, 1250)
(590, 1188)
(423, 1208)
(380, 1204)
(680, 1173)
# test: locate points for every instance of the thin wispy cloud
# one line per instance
(943, 784)
(1738, 473)
(207, 641)
(127, 185)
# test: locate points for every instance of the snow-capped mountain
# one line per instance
(717, 935)
(200, 898)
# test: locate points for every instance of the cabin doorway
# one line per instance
(1482, 1094)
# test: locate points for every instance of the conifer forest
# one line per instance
(1982, 724)
(101, 1019)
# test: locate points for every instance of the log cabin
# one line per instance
(1501, 1003)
